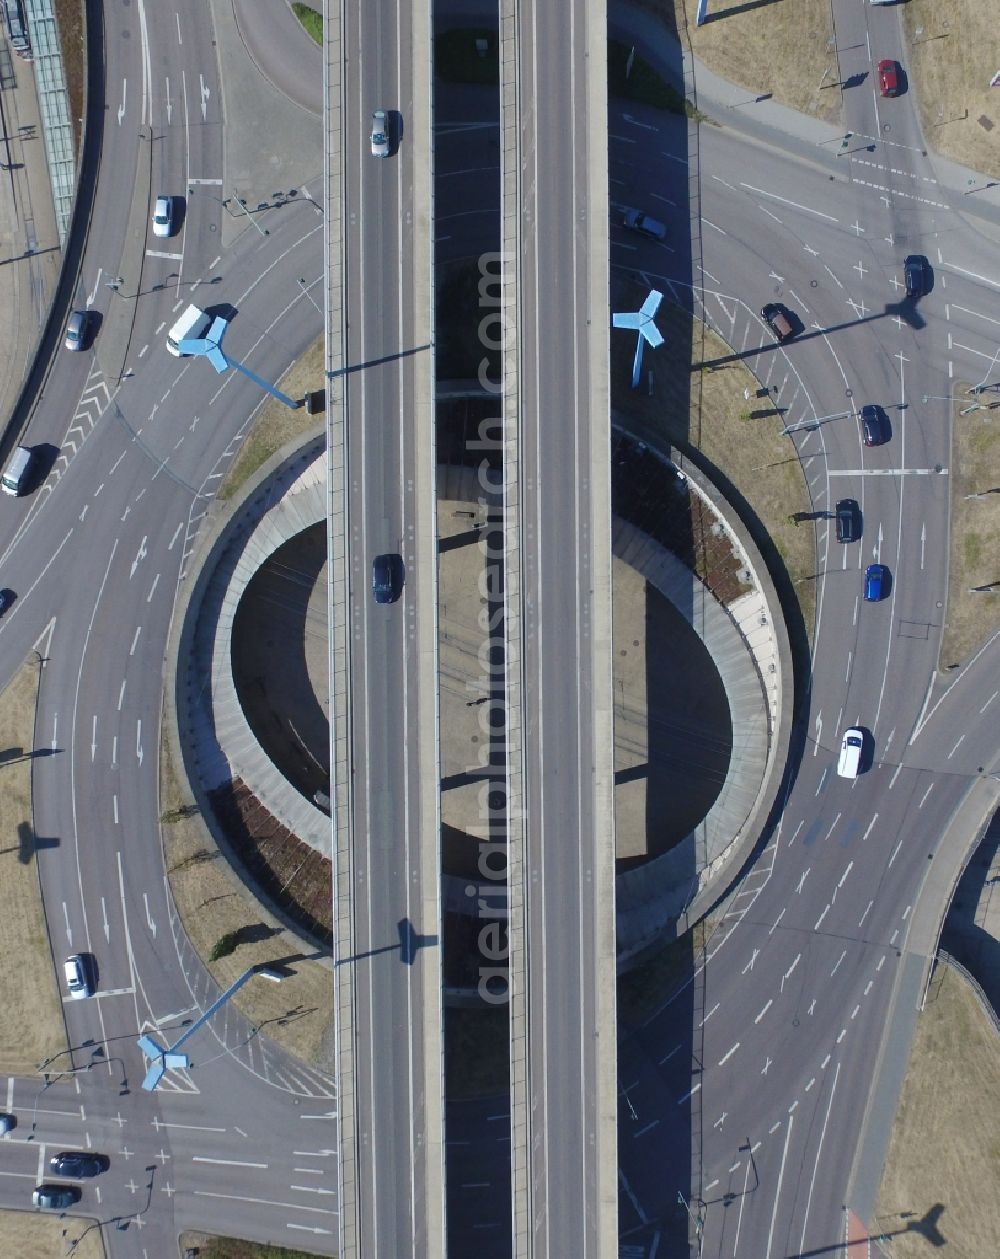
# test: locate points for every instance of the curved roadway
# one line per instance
(816, 952)
(95, 557)
(768, 1058)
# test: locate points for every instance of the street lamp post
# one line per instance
(695, 1217)
(936, 397)
(815, 423)
(241, 202)
(305, 292)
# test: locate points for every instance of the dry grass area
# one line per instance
(276, 424)
(944, 1159)
(298, 1012)
(210, 1247)
(704, 409)
(953, 54)
(31, 984)
(32, 1235)
(784, 49)
(72, 42)
(975, 530)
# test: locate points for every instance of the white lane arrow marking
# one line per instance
(139, 555)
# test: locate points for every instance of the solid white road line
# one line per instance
(762, 192)
(225, 1162)
(819, 1151)
(777, 1192)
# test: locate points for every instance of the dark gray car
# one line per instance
(916, 271)
(848, 520)
(387, 578)
(77, 1163)
(55, 1197)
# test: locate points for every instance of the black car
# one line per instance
(777, 320)
(7, 597)
(387, 578)
(917, 272)
(77, 1164)
(872, 425)
(848, 520)
(55, 1197)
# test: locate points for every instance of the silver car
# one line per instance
(163, 216)
(380, 133)
(76, 330)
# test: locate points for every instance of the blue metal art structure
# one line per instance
(642, 321)
(211, 347)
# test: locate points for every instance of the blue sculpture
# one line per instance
(642, 320)
(211, 347)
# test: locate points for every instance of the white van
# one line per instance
(192, 324)
(851, 747)
(18, 472)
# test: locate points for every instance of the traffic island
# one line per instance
(973, 611)
(28, 981)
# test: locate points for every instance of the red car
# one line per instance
(888, 78)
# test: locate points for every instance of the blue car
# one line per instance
(876, 582)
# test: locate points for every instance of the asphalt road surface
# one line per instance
(747, 1093)
(95, 556)
(395, 1140)
(564, 477)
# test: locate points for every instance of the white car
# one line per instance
(851, 747)
(77, 978)
(163, 216)
(380, 133)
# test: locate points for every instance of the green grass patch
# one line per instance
(312, 22)
(466, 297)
(642, 83)
(973, 547)
(458, 60)
(234, 1248)
(225, 945)
(641, 992)
(477, 1051)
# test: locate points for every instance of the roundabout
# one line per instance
(701, 683)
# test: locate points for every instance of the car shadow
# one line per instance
(46, 455)
(95, 321)
(867, 759)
